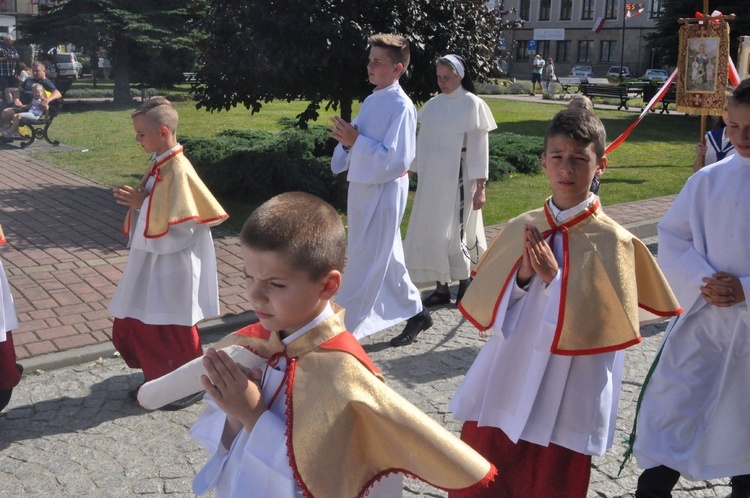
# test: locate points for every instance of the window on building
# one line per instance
(524, 10)
(584, 50)
(544, 6)
(543, 47)
(587, 10)
(522, 50)
(610, 9)
(563, 49)
(657, 9)
(608, 51)
(566, 7)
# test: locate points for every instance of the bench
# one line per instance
(566, 83)
(669, 98)
(607, 92)
(598, 81)
(40, 128)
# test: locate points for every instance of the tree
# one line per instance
(667, 38)
(136, 31)
(258, 51)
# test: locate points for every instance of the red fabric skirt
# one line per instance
(9, 375)
(527, 470)
(156, 349)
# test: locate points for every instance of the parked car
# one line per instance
(656, 74)
(614, 71)
(581, 71)
(68, 65)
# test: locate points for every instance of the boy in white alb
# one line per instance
(318, 420)
(170, 281)
(376, 149)
(560, 288)
(10, 371)
(693, 419)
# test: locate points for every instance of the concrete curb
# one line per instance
(210, 331)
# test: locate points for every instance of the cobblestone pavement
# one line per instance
(74, 432)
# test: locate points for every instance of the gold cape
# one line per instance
(607, 274)
(177, 195)
(346, 429)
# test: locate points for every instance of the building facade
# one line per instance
(13, 11)
(566, 31)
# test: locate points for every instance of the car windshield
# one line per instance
(62, 58)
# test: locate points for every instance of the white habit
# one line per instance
(168, 280)
(452, 138)
(694, 414)
(376, 290)
(518, 386)
(257, 464)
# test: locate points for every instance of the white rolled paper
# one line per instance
(186, 380)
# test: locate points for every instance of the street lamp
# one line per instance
(506, 24)
(628, 7)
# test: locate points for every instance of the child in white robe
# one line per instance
(558, 289)
(170, 281)
(318, 421)
(10, 371)
(376, 150)
(694, 415)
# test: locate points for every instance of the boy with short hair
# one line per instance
(560, 288)
(377, 149)
(170, 281)
(319, 421)
(693, 417)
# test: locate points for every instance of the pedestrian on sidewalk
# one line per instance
(170, 281)
(10, 371)
(445, 239)
(537, 67)
(560, 289)
(376, 150)
(693, 417)
(319, 420)
(549, 74)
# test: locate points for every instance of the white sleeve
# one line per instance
(681, 263)
(374, 162)
(477, 154)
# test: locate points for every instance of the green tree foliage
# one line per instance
(667, 39)
(258, 51)
(148, 42)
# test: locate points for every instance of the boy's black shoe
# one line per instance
(414, 325)
(436, 299)
(184, 402)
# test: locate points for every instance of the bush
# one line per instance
(258, 164)
(512, 153)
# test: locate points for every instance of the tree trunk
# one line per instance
(120, 67)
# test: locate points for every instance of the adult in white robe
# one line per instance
(694, 414)
(376, 290)
(517, 385)
(445, 238)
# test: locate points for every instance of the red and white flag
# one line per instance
(598, 25)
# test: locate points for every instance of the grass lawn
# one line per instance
(656, 159)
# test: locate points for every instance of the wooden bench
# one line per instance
(669, 98)
(566, 83)
(607, 92)
(40, 128)
(598, 81)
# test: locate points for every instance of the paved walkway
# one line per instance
(70, 429)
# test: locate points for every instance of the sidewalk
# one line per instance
(65, 254)
(70, 429)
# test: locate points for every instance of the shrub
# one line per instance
(513, 153)
(259, 164)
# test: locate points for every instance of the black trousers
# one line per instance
(658, 482)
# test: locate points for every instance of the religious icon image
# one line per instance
(702, 59)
